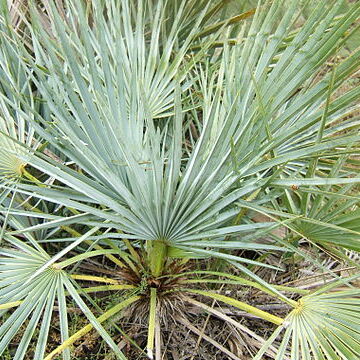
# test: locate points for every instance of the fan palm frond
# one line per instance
(28, 299)
(323, 326)
(14, 129)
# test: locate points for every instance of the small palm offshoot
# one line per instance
(157, 147)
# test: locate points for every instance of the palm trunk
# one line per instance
(157, 251)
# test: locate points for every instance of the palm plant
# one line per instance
(152, 147)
